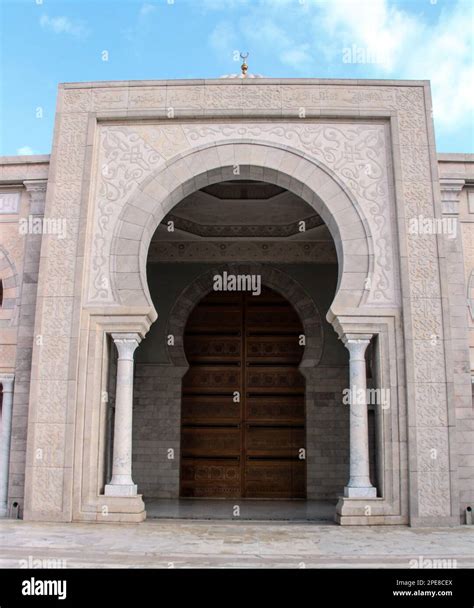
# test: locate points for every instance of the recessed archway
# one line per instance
(284, 166)
(351, 236)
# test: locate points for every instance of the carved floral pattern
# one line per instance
(356, 153)
(126, 159)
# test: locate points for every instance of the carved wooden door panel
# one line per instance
(243, 412)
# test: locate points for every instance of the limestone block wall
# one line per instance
(457, 199)
(156, 429)
(327, 432)
(23, 182)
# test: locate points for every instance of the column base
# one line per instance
(363, 512)
(119, 509)
(365, 492)
(115, 489)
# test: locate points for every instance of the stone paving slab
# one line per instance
(204, 544)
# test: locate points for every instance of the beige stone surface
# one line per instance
(200, 544)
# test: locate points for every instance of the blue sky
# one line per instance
(44, 42)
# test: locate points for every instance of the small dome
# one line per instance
(242, 76)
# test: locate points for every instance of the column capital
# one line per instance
(35, 185)
(451, 188)
(356, 344)
(36, 188)
(126, 344)
(6, 380)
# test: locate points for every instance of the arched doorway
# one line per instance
(243, 400)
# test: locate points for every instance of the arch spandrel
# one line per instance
(185, 174)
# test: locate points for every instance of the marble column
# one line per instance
(121, 483)
(359, 485)
(6, 381)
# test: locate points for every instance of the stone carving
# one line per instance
(321, 252)
(149, 97)
(9, 202)
(55, 358)
(67, 200)
(339, 149)
(242, 230)
(433, 451)
(77, 100)
(52, 400)
(424, 278)
(429, 361)
(8, 274)
(415, 164)
(72, 140)
(356, 153)
(427, 319)
(414, 192)
(222, 97)
(468, 252)
(47, 496)
(188, 97)
(423, 270)
(126, 159)
(168, 140)
(433, 493)
(60, 275)
(109, 98)
(430, 404)
(57, 313)
(50, 442)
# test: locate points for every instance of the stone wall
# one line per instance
(23, 182)
(457, 199)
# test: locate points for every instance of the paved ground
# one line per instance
(180, 543)
(266, 510)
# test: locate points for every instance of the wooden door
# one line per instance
(243, 413)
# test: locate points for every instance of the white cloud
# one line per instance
(63, 25)
(146, 9)
(216, 5)
(426, 42)
(223, 39)
(25, 151)
(412, 47)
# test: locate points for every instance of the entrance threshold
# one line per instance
(250, 510)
